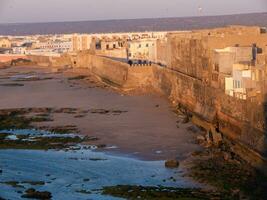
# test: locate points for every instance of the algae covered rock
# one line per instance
(33, 194)
(172, 163)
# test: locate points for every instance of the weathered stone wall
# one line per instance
(186, 90)
(40, 60)
(9, 57)
(139, 77)
(111, 71)
(115, 53)
(161, 52)
(241, 121)
(64, 60)
(187, 55)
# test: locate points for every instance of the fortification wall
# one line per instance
(241, 121)
(115, 53)
(40, 60)
(110, 71)
(139, 78)
(9, 57)
(187, 91)
(64, 60)
(214, 110)
(161, 52)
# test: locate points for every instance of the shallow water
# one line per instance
(67, 171)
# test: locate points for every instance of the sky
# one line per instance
(17, 11)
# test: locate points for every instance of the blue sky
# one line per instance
(13, 11)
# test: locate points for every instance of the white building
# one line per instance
(19, 50)
(244, 79)
(142, 49)
(59, 46)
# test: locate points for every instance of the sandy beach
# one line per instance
(147, 128)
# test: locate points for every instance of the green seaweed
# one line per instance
(40, 143)
(14, 121)
(14, 184)
(161, 193)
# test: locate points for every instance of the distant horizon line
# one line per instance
(125, 19)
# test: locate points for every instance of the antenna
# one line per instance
(200, 9)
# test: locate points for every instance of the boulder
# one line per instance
(226, 156)
(201, 139)
(172, 163)
(33, 194)
(186, 120)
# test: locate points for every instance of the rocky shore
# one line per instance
(76, 115)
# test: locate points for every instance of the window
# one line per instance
(147, 45)
(216, 67)
(215, 77)
(237, 84)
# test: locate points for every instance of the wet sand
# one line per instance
(148, 130)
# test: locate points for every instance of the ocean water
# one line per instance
(64, 173)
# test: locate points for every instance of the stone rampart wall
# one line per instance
(40, 60)
(236, 119)
(111, 71)
(242, 121)
(139, 77)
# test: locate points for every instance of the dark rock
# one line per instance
(33, 182)
(226, 156)
(185, 120)
(172, 163)
(97, 159)
(193, 129)
(101, 146)
(31, 193)
(201, 139)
